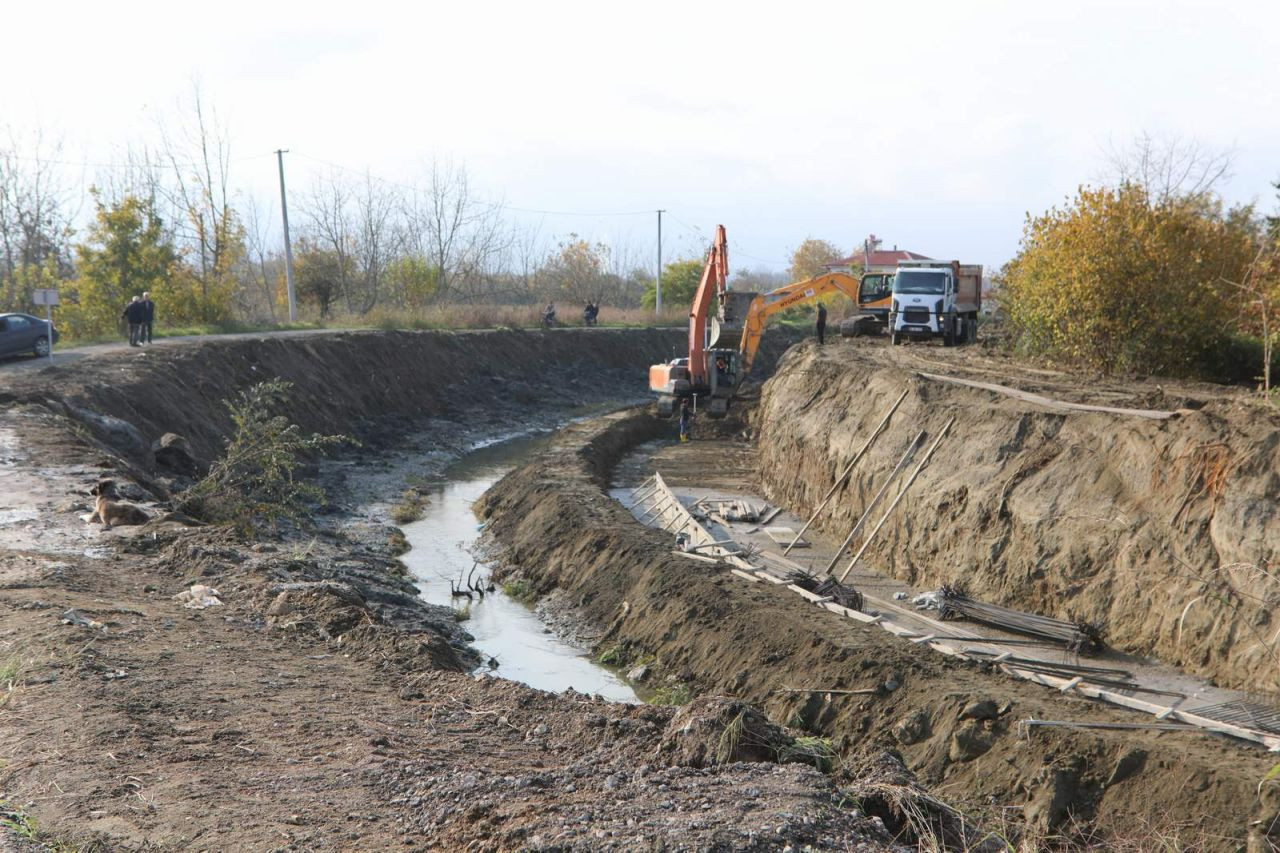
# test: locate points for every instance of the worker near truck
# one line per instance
(822, 324)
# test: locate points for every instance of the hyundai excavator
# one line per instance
(710, 375)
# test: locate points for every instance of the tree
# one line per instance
(1168, 169)
(207, 228)
(319, 274)
(1124, 281)
(810, 258)
(680, 280)
(575, 271)
(128, 252)
(35, 220)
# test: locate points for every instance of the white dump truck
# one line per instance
(936, 299)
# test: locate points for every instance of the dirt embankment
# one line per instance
(954, 724)
(1164, 532)
(321, 705)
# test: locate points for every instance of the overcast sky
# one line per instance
(935, 125)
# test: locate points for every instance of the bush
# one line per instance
(1121, 283)
(254, 481)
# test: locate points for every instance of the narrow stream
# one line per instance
(503, 628)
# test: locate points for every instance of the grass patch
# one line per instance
(673, 695)
(727, 746)
(18, 822)
(816, 751)
(521, 590)
(615, 655)
(412, 506)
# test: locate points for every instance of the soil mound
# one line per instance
(713, 730)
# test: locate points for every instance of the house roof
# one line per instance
(879, 258)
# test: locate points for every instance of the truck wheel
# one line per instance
(971, 331)
(949, 333)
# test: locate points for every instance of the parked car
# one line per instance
(21, 333)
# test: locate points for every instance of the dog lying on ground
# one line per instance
(109, 509)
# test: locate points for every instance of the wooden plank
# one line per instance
(746, 577)
(811, 596)
(1048, 402)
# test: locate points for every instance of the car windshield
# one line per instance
(919, 282)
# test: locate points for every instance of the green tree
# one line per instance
(680, 281)
(320, 275)
(811, 257)
(128, 251)
(1120, 281)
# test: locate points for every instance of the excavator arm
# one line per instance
(766, 305)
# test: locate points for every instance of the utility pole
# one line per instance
(658, 302)
(288, 249)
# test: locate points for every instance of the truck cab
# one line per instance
(935, 299)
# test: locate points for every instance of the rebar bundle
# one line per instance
(1080, 637)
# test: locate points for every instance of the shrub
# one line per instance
(254, 482)
(1120, 282)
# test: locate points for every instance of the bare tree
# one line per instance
(35, 216)
(199, 154)
(260, 269)
(377, 240)
(325, 210)
(459, 235)
(1167, 167)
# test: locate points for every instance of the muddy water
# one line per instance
(502, 627)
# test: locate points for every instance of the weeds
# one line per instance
(615, 655)
(816, 751)
(521, 590)
(17, 821)
(11, 673)
(672, 695)
(411, 507)
(727, 746)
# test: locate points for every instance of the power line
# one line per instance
(86, 164)
(696, 230)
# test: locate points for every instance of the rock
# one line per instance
(173, 452)
(118, 434)
(983, 709)
(913, 728)
(639, 673)
(969, 741)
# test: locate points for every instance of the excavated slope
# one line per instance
(1164, 532)
(700, 625)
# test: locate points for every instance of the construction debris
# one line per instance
(786, 536)
(1079, 637)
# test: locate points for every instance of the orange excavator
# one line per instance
(710, 375)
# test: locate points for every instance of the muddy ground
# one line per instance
(954, 724)
(322, 705)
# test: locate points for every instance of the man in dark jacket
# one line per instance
(133, 314)
(822, 323)
(148, 317)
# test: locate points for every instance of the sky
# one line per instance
(935, 125)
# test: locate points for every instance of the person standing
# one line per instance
(822, 323)
(686, 417)
(148, 316)
(133, 314)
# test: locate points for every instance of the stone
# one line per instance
(913, 728)
(638, 673)
(983, 709)
(173, 452)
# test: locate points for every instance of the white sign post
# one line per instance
(48, 297)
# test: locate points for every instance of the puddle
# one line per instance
(502, 627)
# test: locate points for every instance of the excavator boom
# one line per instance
(714, 277)
(766, 305)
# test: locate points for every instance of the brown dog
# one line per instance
(109, 510)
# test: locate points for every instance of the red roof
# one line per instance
(880, 258)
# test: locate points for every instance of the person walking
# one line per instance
(822, 324)
(133, 314)
(148, 317)
(686, 417)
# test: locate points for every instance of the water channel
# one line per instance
(442, 543)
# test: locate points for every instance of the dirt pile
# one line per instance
(954, 724)
(1163, 532)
